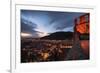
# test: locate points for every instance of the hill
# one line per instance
(59, 36)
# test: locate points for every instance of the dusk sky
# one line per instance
(41, 23)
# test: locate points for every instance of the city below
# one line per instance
(37, 50)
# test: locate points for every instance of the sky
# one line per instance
(42, 23)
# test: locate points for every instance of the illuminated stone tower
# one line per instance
(82, 26)
(81, 35)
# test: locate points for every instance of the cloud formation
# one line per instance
(40, 23)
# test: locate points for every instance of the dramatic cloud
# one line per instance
(63, 20)
(40, 23)
(27, 26)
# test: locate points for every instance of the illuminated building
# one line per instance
(82, 32)
(82, 26)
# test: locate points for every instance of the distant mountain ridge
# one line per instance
(59, 36)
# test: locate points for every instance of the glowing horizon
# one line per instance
(25, 34)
